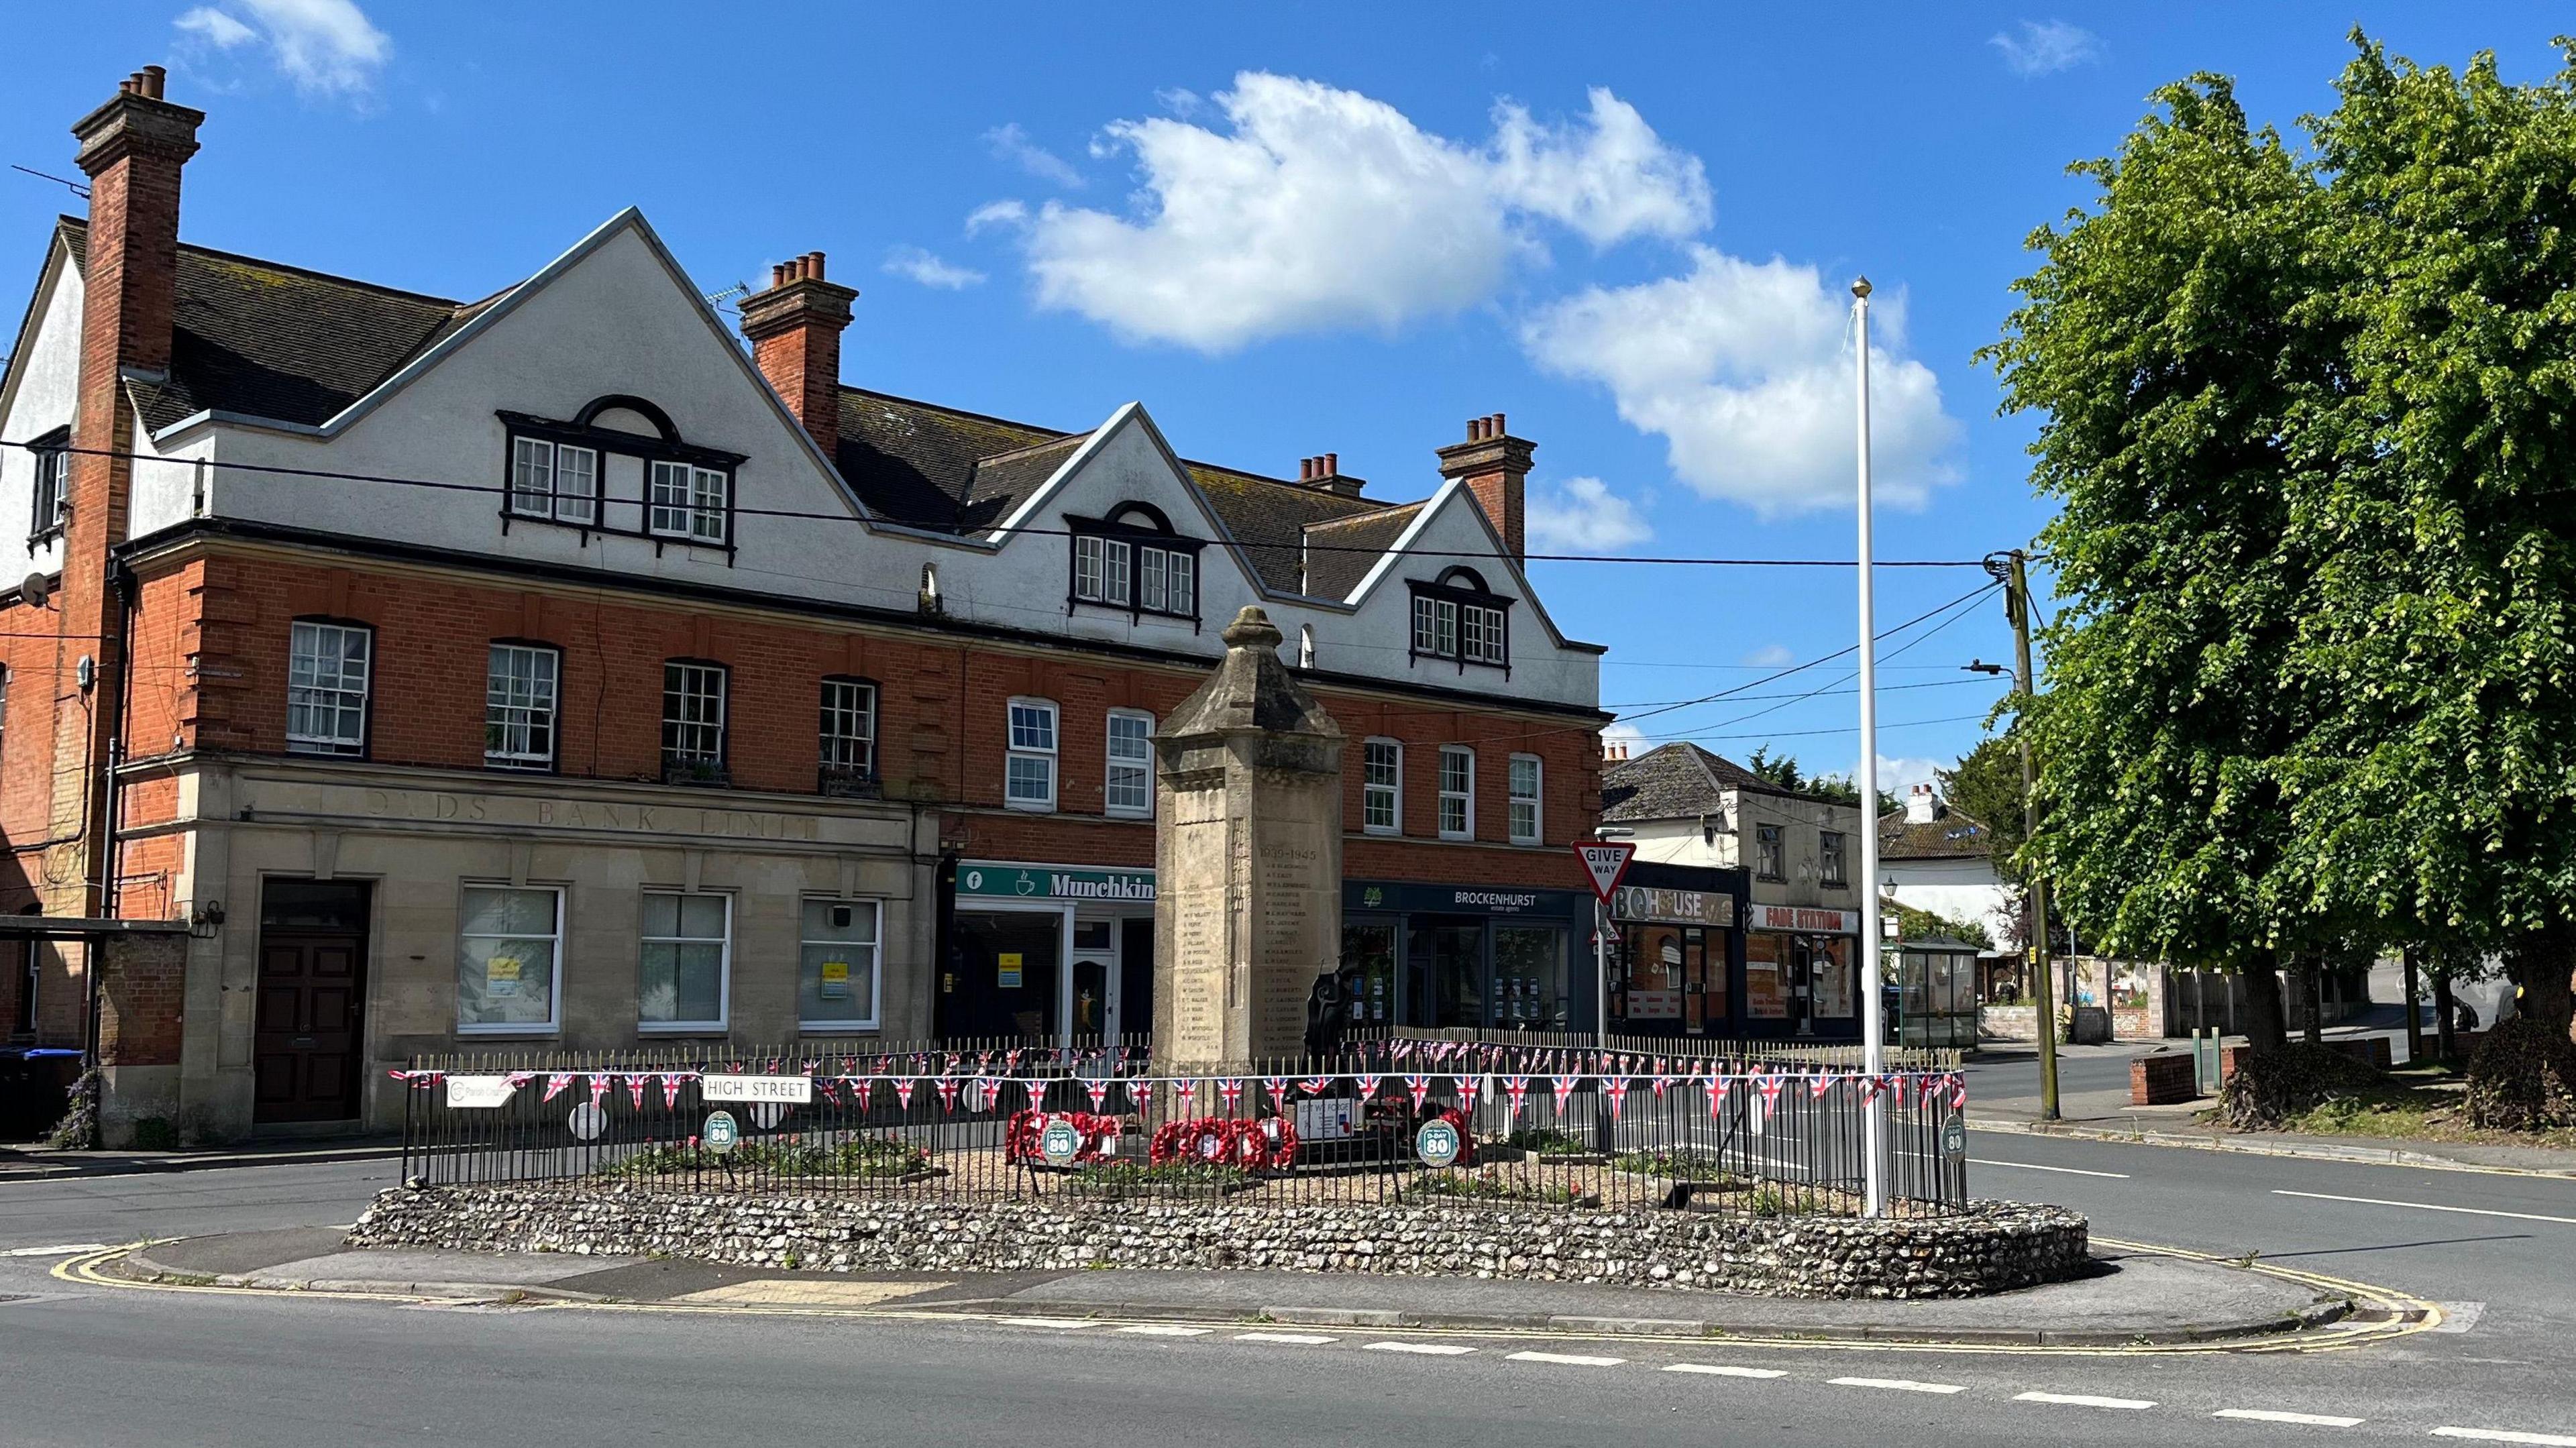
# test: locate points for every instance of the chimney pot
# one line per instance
(153, 78)
(1499, 427)
(1495, 469)
(816, 271)
(1332, 465)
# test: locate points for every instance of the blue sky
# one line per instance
(1293, 230)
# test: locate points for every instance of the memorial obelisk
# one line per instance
(1247, 858)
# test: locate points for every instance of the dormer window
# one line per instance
(618, 466)
(1458, 619)
(1134, 560)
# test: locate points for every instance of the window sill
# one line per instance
(837, 1028)
(518, 766)
(1468, 839)
(530, 1030)
(1383, 832)
(680, 1028)
(698, 775)
(1127, 814)
(1025, 807)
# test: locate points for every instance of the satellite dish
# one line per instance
(34, 589)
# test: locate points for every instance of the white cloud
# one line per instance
(1013, 145)
(327, 47)
(1006, 212)
(929, 270)
(1622, 732)
(1582, 515)
(1770, 656)
(1744, 369)
(1309, 208)
(1896, 775)
(215, 27)
(2045, 47)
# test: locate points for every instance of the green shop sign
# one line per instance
(991, 880)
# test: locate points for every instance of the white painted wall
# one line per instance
(1958, 890)
(43, 388)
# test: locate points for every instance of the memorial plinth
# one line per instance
(1247, 858)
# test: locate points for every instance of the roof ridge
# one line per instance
(81, 224)
(1377, 514)
(1056, 433)
(1035, 447)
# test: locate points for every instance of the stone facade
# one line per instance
(1994, 1247)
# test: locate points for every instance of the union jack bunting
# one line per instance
(1958, 1091)
(821, 1083)
(1278, 1088)
(1870, 1086)
(1367, 1085)
(1316, 1085)
(1099, 1092)
(1770, 1087)
(598, 1087)
(635, 1088)
(1716, 1088)
(1230, 1091)
(1817, 1086)
(671, 1089)
(1517, 1088)
(946, 1086)
(1896, 1089)
(1420, 1087)
(1185, 1089)
(1617, 1089)
(556, 1081)
(1563, 1086)
(860, 1088)
(903, 1091)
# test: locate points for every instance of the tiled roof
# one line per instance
(1676, 781)
(1341, 551)
(279, 342)
(1950, 835)
(1269, 517)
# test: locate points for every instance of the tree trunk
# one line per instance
(2311, 1004)
(2445, 1032)
(2264, 1034)
(2540, 964)
(2414, 1011)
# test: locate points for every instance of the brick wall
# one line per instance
(143, 990)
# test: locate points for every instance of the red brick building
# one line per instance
(551, 669)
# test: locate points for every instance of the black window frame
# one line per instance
(842, 779)
(720, 771)
(53, 459)
(1139, 526)
(668, 447)
(1770, 852)
(1833, 859)
(1463, 588)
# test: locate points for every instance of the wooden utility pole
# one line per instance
(2016, 578)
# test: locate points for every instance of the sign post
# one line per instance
(1605, 864)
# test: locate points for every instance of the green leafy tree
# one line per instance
(1985, 785)
(2162, 346)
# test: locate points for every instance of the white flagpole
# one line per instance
(1872, 1011)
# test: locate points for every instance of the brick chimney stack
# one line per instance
(795, 334)
(1495, 466)
(132, 149)
(1325, 471)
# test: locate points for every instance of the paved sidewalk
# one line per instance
(2132, 1297)
(41, 1163)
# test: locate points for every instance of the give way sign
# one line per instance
(1604, 861)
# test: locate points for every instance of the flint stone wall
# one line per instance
(1994, 1247)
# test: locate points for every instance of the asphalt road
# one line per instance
(91, 1365)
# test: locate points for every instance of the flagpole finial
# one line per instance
(1860, 286)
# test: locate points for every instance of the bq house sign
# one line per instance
(1647, 904)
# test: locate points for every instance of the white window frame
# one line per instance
(1391, 790)
(1116, 565)
(1015, 749)
(724, 707)
(724, 965)
(1833, 859)
(1533, 801)
(1088, 550)
(314, 632)
(554, 991)
(532, 716)
(537, 487)
(1480, 634)
(1142, 767)
(832, 714)
(686, 502)
(1466, 798)
(876, 966)
(51, 484)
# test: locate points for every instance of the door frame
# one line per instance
(364, 935)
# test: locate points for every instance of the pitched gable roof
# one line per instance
(1951, 834)
(1675, 781)
(282, 342)
(1341, 551)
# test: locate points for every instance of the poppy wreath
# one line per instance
(1220, 1141)
(1020, 1136)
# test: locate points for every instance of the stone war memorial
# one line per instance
(1242, 1136)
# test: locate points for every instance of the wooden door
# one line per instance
(306, 1049)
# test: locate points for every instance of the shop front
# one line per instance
(1057, 953)
(1678, 955)
(1490, 957)
(1800, 972)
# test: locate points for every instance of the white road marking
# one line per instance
(1902, 1385)
(1299, 1339)
(1165, 1329)
(2082, 1400)
(2429, 1207)
(2265, 1415)
(1066, 1322)
(1721, 1370)
(67, 1249)
(2460, 1316)
(2035, 1166)
(1427, 1349)
(2499, 1435)
(1575, 1360)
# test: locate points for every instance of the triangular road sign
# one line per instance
(1604, 861)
